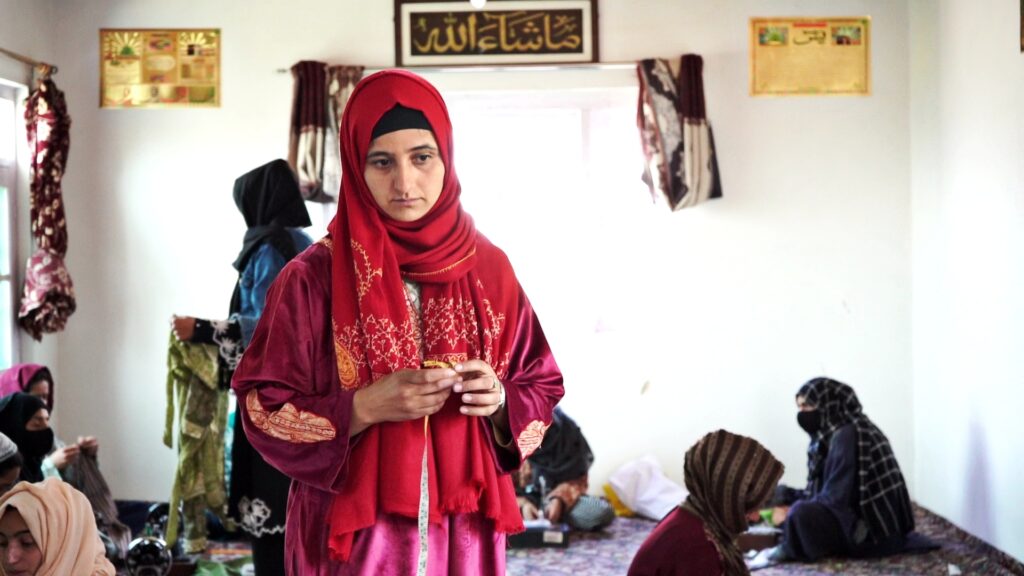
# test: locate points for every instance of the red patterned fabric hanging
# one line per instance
(318, 100)
(49, 297)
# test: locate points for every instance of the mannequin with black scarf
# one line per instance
(269, 200)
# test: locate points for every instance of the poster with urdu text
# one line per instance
(810, 56)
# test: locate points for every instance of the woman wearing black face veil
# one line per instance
(856, 501)
(25, 420)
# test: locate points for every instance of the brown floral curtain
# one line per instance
(49, 297)
(679, 148)
(319, 97)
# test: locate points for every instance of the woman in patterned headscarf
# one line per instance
(398, 373)
(728, 476)
(856, 501)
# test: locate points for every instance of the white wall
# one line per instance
(802, 269)
(968, 265)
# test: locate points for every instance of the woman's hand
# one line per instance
(527, 509)
(64, 457)
(553, 510)
(183, 326)
(482, 395)
(480, 388)
(779, 514)
(89, 445)
(400, 396)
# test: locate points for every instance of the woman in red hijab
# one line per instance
(399, 373)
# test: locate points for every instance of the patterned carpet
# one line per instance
(609, 554)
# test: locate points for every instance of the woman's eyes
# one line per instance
(27, 542)
(418, 159)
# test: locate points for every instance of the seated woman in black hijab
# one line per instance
(856, 501)
(554, 479)
(25, 420)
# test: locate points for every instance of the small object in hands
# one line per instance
(436, 364)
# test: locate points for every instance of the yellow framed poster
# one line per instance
(148, 68)
(810, 56)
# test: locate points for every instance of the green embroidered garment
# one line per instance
(202, 415)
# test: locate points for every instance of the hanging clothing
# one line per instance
(49, 297)
(15, 412)
(61, 523)
(201, 415)
(728, 476)
(318, 100)
(21, 377)
(297, 401)
(856, 501)
(341, 81)
(309, 127)
(681, 166)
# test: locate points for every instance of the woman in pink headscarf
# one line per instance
(47, 529)
(35, 379)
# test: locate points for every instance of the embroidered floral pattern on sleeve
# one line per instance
(531, 437)
(289, 423)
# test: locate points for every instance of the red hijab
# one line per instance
(20, 377)
(469, 297)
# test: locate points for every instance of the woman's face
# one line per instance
(41, 390)
(39, 421)
(405, 173)
(9, 479)
(802, 405)
(21, 555)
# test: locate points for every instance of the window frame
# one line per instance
(9, 176)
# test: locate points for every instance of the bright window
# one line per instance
(553, 177)
(8, 135)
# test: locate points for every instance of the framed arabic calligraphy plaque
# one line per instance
(147, 68)
(429, 33)
(790, 56)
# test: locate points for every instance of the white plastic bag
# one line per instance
(644, 488)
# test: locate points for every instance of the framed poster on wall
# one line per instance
(790, 56)
(147, 68)
(448, 33)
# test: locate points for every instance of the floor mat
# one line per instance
(610, 553)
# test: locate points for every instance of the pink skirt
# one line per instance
(461, 545)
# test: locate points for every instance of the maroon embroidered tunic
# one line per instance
(296, 413)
